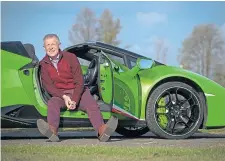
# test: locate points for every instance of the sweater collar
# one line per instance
(48, 59)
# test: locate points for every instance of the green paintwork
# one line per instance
(216, 104)
(84, 69)
(16, 87)
(150, 77)
(126, 92)
(128, 89)
(105, 78)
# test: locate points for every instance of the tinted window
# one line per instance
(132, 61)
(14, 47)
(117, 58)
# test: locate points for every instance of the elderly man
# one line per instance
(62, 77)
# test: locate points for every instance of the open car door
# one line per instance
(105, 79)
(118, 89)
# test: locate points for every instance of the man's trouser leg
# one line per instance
(50, 128)
(53, 118)
(89, 104)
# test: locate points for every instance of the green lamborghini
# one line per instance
(143, 94)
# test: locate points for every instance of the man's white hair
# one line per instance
(50, 36)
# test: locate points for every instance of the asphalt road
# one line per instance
(32, 136)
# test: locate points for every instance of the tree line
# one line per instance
(203, 51)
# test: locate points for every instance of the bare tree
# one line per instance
(219, 74)
(108, 28)
(161, 49)
(202, 50)
(219, 70)
(85, 27)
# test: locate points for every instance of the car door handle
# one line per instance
(102, 81)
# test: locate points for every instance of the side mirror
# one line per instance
(141, 64)
(145, 63)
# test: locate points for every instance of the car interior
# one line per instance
(87, 57)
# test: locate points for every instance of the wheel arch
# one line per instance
(189, 82)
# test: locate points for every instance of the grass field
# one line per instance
(49, 152)
(108, 153)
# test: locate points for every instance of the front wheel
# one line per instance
(174, 110)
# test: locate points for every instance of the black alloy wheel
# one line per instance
(174, 111)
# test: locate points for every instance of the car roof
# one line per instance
(107, 46)
(31, 51)
(110, 47)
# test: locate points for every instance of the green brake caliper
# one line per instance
(161, 110)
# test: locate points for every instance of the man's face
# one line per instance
(51, 46)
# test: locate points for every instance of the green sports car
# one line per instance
(143, 94)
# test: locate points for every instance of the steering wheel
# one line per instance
(91, 74)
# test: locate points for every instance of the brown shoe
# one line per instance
(47, 130)
(106, 130)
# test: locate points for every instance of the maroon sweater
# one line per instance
(68, 76)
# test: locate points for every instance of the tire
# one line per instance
(175, 114)
(125, 131)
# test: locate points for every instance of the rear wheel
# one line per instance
(132, 131)
(174, 111)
